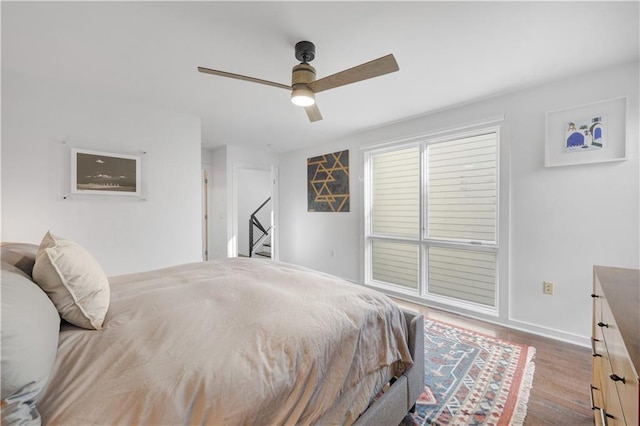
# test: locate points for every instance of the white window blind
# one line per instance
(396, 263)
(468, 275)
(451, 191)
(462, 188)
(395, 192)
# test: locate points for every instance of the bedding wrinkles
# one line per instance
(230, 341)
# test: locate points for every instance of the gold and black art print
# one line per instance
(328, 182)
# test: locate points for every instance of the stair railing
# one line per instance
(257, 231)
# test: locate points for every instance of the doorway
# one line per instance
(253, 184)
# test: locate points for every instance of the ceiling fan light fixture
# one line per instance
(304, 84)
(302, 97)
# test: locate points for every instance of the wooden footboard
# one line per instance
(394, 404)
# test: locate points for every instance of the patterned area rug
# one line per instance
(472, 379)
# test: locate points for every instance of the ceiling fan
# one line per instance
(304, 85)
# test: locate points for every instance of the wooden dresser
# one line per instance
(615, 341)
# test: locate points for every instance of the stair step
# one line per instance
(264, 254)
(267, 244)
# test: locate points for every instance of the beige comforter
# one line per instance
(228, 342)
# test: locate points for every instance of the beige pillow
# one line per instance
(73, 280)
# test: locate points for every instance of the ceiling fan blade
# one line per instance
(242, 77)
(375, 68)
(313, 113)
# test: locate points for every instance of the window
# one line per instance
(396, 192)
(431, 218)
(462, 188)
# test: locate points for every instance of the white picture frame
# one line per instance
(105, 173)
(588, 133)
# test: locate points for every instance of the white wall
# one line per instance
(124, 234)
(563, 220)
(329, 242)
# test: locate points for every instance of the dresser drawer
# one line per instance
(597, 307)
(622, 373)
(611, 401)
(597, 396)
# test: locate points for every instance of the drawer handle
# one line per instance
(603, 416)
(617, 378)
(593, 347)
(591, 389)
(603, 324)
(594, 295)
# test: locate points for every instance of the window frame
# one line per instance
(370, 236)
(423, 241)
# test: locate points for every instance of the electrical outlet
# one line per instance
(547, 287)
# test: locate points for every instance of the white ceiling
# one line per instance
(449, 53)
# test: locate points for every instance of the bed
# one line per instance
(223, 342)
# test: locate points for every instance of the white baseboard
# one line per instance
(559, 335)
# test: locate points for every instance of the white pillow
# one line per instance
(73, 280)
(30, 327)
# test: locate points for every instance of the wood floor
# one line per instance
(560, 393)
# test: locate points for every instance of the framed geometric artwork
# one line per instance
(96, 172)
(328, 182)
(590, 133)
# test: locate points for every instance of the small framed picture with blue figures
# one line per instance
(585, 134)
(589, 133)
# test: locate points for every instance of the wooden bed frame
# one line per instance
(401, 397)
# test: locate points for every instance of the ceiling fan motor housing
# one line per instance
(302, 75)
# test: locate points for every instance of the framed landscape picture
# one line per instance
(96, 172)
